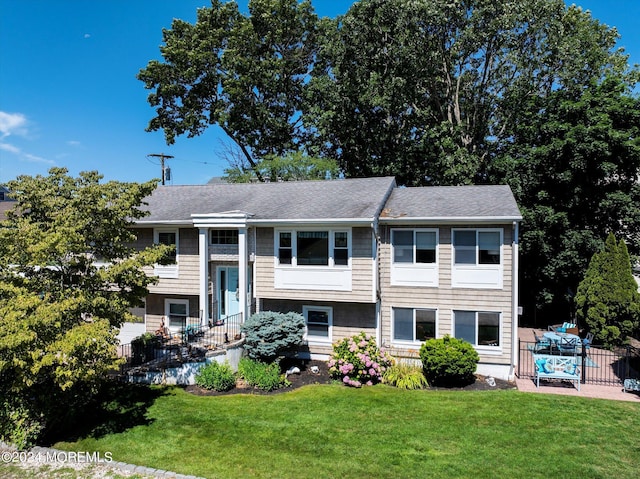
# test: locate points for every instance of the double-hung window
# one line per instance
(167, 237)
(414, 257)
(413, 325)
(176, 312)
(319, 321)
(479, 328)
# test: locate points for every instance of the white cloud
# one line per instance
(87, 35)
(12, 124)
(37, 159)
(10, 148)
(24, 156)
(73, 143)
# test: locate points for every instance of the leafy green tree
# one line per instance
(68, 276)
(427, 91)
(607, 300)
(530, 93)
(245, 74)
(573, 166)
(294, 166)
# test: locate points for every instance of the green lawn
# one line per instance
(331, 431)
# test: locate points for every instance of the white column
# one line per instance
(203, 258)
(242, 271)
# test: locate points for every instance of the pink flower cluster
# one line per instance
(358, 361)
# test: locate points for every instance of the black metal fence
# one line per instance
(194, 336)
(600, 366)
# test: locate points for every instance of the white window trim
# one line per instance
(167, 310)
(318, 339)
(477, 264)
(294, 248)
(167, 270)
(477, 276)
(415, 274)
(414, 342)
(414, 231)
(480, 348)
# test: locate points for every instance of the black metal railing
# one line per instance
(193, 336)
(599, 365)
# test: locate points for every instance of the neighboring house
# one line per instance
(402, 264)
(6, 203)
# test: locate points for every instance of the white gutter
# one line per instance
(450, 220)
(376, 280)
(313, 221)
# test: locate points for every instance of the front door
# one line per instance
(228, 291)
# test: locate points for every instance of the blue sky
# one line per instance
(69, 94)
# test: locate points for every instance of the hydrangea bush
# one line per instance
(358, 361)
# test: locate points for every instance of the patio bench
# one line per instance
(557, 367)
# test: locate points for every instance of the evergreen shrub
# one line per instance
(448, 361)
(270, 335)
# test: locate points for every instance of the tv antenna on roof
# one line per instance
(166, 171)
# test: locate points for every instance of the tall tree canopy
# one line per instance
(574, 165)
(246, 74)
(68, 276)
(528, 92)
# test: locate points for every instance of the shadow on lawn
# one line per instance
(116, 408)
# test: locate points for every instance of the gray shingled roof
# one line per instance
(287, 201)
(452, 202)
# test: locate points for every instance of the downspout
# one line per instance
(515, 353)
(376, 280)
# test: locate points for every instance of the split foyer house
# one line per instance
(350, 255)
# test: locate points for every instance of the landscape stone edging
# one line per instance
(122, 466)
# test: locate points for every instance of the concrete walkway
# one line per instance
(556, 387)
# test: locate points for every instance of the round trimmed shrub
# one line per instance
(448, 361)
(270, 335)
(358, 361)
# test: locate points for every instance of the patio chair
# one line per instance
(568, 345)
(588, 339)
(542, 343)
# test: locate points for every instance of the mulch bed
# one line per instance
(307, 376)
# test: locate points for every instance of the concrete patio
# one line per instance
(561, 388)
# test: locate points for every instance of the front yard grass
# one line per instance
(331, 431)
